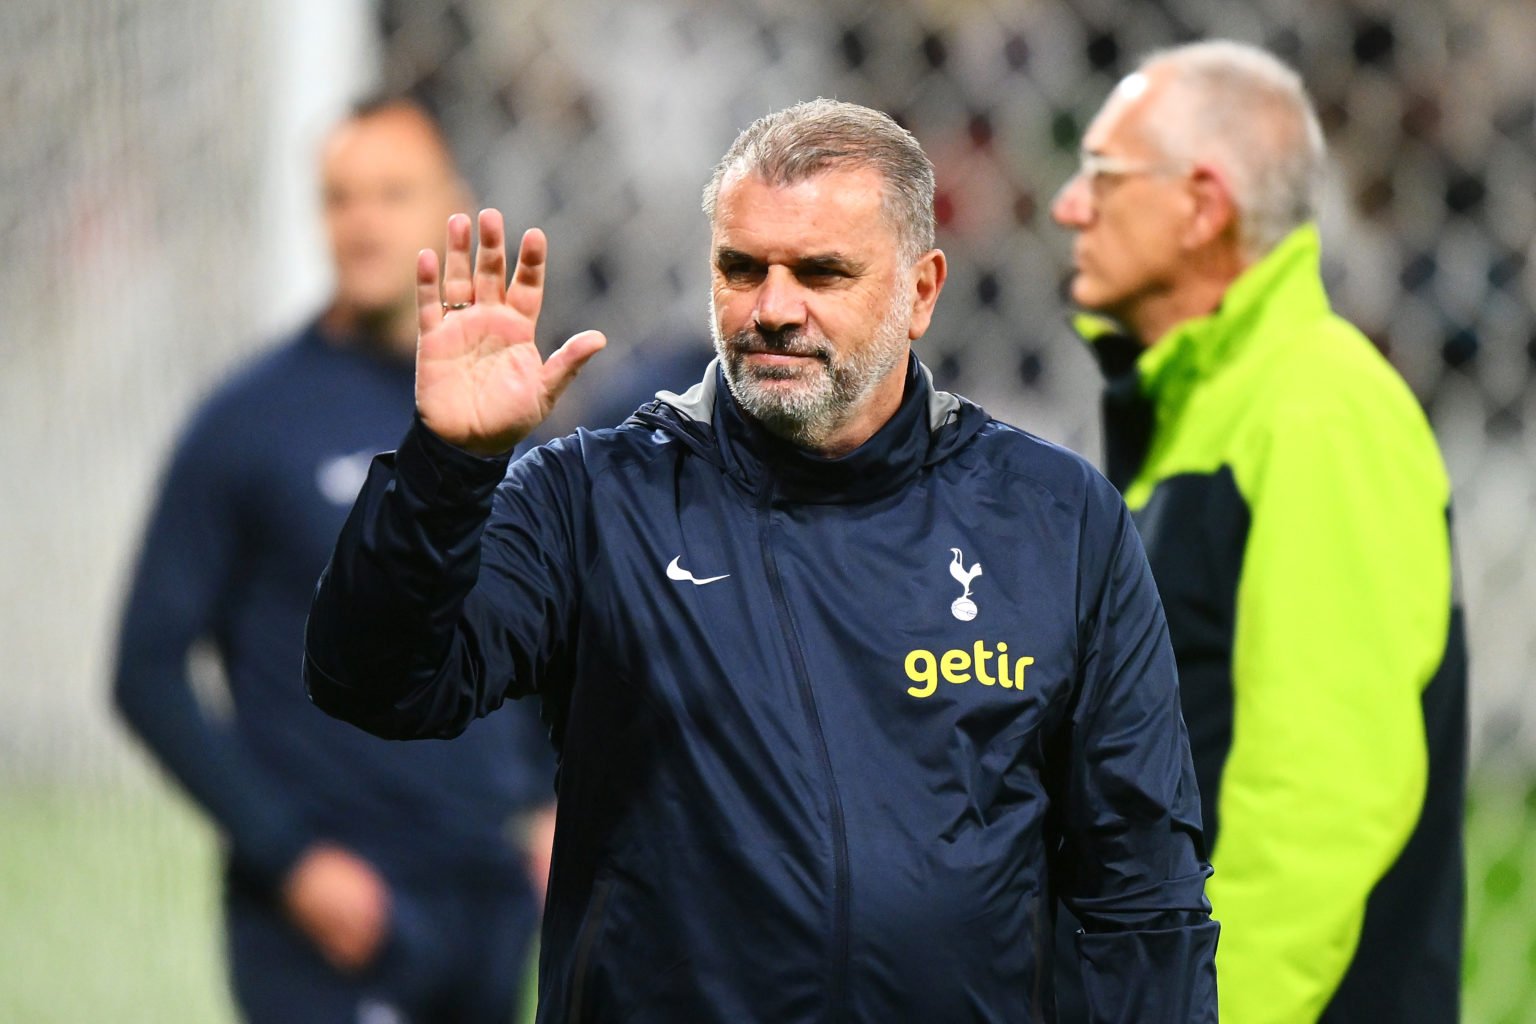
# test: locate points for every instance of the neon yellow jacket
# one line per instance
(1295, 510)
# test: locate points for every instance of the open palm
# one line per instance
(481, 383)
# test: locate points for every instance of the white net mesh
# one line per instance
(147, 228)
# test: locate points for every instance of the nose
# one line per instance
(1072, 206)
(780, 301)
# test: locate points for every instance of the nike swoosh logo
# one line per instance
(677, 572)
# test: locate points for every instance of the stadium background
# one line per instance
(157, 225)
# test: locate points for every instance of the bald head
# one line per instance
(389, 186)
(1242, 111)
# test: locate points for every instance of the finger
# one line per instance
(567, 361)
(526, 292)
(457, 287)
(429, 302)
(491, 260)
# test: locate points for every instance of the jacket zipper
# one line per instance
(838, 982)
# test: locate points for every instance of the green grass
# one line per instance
(109, 904)
(1499, 970)
(109, 910)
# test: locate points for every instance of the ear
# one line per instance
(929, 275)
(1214, 211)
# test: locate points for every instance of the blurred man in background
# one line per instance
(1296, 513)
(364, 880)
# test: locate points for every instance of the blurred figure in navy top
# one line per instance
(364, 879)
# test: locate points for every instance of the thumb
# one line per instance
(567, 361)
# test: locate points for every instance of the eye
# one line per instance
(820, 275)
(740, 271)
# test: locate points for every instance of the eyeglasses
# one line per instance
(1094, 165)
(1094, 168)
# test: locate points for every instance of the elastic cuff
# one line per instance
(432, 468)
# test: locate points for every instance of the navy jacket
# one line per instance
(260, 483)
(834, 734)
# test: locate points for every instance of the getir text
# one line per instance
(925, 668)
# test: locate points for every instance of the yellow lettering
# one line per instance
(924, 668)
(954, 665)
(921, 669)
(981, 654)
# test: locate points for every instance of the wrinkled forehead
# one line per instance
(827, 203)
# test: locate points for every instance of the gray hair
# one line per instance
(1245, 109)
(802, 141)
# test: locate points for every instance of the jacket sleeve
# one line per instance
(1132, 866)
(433, 611)
(185, 569)
(1342, 614)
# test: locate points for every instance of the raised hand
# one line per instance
(480, 381)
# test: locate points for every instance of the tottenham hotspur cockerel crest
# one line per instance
(964, 608)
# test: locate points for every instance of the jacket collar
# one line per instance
(1287, 279)
(927, 426)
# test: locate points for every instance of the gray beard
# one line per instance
(826, 396)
